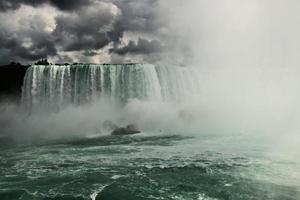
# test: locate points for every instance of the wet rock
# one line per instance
(128, 130)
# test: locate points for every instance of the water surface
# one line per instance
(149, 166)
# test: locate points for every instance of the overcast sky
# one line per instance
(80, 30)
(207, 32)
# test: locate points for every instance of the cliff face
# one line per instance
(11, 81)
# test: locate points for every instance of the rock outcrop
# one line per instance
(128, 130)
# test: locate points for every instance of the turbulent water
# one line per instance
(180, 154)
(149, 166)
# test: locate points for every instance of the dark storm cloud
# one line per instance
(14, 48)
(60, 4)
(69, 5)
(84, 29)
(85, 26)
(15, 4)
(94, 29)
(27, 44)
(142, 46)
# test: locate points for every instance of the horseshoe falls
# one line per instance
(187, 149)
(55, 87)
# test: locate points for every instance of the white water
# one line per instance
(77, 99)
(55, 87)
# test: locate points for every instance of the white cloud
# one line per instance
(21, 19)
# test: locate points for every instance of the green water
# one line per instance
(149, 166)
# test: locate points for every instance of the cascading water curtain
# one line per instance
(54, 87)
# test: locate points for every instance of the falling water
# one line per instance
(57, 86)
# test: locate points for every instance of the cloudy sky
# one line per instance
(80, 30)
(207, 32)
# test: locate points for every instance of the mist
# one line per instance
(246, 55)
(248, 51)
(236, 33)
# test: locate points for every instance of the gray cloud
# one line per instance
(15, 4)
(30, 44)
(87, 29)
(69, 5)
(90, 28)
(140, 16)
(142, 46)
(6, 5)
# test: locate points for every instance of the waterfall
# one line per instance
(57, 86)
